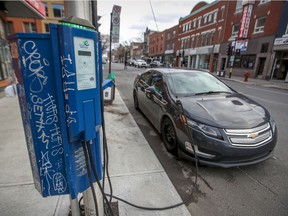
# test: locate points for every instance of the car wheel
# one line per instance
(169, 136)
(136, 105)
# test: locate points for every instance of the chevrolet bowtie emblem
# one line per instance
(252, 135)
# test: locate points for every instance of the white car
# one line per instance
(141, 63)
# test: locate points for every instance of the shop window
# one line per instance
(259, 25)
(237, 62)
(264, 47)
(29, 27)
(286, 32)
(58, 10)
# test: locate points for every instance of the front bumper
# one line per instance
(220, 153)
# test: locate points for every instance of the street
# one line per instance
(260, 189)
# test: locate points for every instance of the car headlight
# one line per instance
(273, 125)
(208, 130)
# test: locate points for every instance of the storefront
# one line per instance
(24, 9)
(280, 66)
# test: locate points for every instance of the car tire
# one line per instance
(169, 136)
(135, 98)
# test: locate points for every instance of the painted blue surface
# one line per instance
(57, 117)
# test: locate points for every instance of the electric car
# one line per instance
(197, 113)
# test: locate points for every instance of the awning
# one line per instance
(24, 8)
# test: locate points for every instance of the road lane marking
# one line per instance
(267, 90)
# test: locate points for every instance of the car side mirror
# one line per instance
(150, 90)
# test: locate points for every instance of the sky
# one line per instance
(136, 15)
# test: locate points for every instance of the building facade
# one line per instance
(250, 32)
(54, 12)
(171, 39)
(11, 21)
(156, 46)
(280, 48)
(200, 35)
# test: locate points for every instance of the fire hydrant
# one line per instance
(246, 75)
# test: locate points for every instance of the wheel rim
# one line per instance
(169, 135)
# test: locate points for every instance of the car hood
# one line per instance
(233, 111)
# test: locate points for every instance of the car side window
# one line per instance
(157, 82)
(145, 78)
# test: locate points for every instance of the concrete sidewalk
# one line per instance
(136, 173)
(278, 84)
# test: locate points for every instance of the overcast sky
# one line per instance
(136, 15)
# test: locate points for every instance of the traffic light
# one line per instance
(229, 49)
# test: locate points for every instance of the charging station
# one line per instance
(59, 79)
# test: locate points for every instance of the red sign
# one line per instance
(38, 6)
(246, 17)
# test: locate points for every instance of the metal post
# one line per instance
(81, 9)
(110, 45)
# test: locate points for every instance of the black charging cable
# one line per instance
(97, 178)
(89, 175)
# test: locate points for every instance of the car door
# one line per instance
(143, 83)
(156, 102)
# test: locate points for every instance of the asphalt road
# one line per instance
(260, 189)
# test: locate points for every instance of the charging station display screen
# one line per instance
(85, 63)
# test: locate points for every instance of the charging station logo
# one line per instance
(85, 44)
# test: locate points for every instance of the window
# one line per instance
(215, 17)
(212, 38)
(244, 61)
(259, 25)
(219, 35)
(196, 41)
(29, 27)
(222, 12)
(235, 30)
(194, 23)
(47, 29)
(205, 19)
(286, 32)
(168, 36)
(174, 34)
(238, 6)
(264, 1)
(145, 79)
(10, 28)
(173, 45)
(209, 18)
(192, 42)
(264, 47)
(199, 22)
(46, 9)
(58, 10)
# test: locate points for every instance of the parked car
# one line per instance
(104, 61)
(227, 128)
(140, 63)
(156, 64)
(131, 62)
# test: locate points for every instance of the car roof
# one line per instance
(176, 70)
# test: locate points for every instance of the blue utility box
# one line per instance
(58, 87)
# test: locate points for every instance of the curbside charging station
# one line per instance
(59, 89)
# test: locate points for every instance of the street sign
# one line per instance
(115, 22)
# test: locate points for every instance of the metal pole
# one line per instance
(82, 10)
(110, 45)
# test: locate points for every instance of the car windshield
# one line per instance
(185, 84)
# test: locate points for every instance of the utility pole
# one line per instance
(82, 9)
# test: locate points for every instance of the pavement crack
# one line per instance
(205, 182)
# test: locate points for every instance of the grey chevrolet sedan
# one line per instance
(196, 113)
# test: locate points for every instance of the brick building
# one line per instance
(250, 31)
(171, 39)
(156, 46)
(11, 21)
(200, 34)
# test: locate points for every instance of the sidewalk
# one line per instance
(135, 172)
(278, 84)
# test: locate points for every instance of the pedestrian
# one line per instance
(125, 64)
